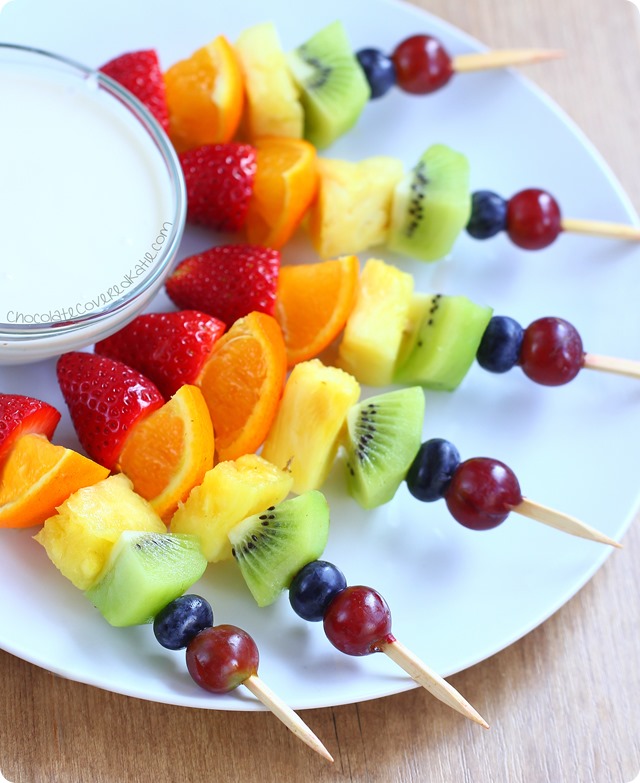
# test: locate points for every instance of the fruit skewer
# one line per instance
(381, 436)
(317, 91)
(393, 334)
(129, 574)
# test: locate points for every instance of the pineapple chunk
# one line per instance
(79, 538)
(353, 209)
(273, 107)
(230, 492)
(375, 330)
(305, 434)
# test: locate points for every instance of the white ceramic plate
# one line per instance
(457, 596)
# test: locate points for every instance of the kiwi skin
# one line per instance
(270, 548)
(384, 436)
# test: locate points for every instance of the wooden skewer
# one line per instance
(628, 367)
(502, 58)
(282, 711)
(599, 228)
(560, 521)
(433, 682)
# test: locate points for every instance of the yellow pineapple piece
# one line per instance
(230, 492)
(273, 107)
(377, 324)
(79, 538)
(352, 211)
(305, 433)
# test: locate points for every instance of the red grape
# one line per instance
(221, 658)
(422, 64)
(533, 219)
(482, 492)
(358, 620)
(551, 352)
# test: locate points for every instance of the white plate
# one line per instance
(457, 596)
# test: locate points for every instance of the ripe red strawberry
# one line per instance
(105, 399)
(228, 281)
(219, 180)
(20, 415)
(140, 73)
(168, 348)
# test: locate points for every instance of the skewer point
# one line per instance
(282, 711)
(559, 521)
(429, 679)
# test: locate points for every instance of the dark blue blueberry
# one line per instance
(499, 349)
(431, 471)
(314, 587)
(488, 214)
(379, 70)
(181, 620)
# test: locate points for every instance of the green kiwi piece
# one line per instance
(144, 572)
(333, 86)
(431, 205)
(272, 547)
(444, 342)
(384, 436)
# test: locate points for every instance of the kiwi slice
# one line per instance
(443, 345)
(333, 86)
(272, 547)
(384, 435)
(144, 572)
(431, 205)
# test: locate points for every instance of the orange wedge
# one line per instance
(38, 476)
(205, 95)
(313, 302)
(169, 451)
(242, 383)
(285, 186)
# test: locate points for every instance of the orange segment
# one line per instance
(205, 94)
(38, 476)
(242, 383)
(313, 302)
(169, 451)
(285, 185)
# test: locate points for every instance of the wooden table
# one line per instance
(563, 702)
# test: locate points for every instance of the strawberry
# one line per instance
(219, 180)
(140, 73)
(168, 348)
(228, 281)
(20, 415)
(105, 399)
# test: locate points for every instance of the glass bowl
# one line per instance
(92, 205)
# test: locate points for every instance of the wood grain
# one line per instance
(562, 703)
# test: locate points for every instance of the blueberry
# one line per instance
(500, 346)
(181, 620)
(314, 587)
(431, 471)
(488, 214)
(379, 70)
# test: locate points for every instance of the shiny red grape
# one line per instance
(533, 219)
(221, 658)
(358, 621)
(422, 64)
(551, 352)
(482, 492)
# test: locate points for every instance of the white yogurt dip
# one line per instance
(87, 209)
